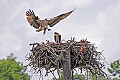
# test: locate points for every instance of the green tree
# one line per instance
(79, 77)
(114, 69)
(84, 77)
(96, 77)
(10, 69)
(75, 77)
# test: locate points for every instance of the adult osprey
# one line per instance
(57, 37)
(41, 25)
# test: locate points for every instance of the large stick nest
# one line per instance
(50, 56)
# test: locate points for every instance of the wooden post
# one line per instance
(67, 65)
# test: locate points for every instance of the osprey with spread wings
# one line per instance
(41, 25)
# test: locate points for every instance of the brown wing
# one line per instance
(56, 19)
(32, 19)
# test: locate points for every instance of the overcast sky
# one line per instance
(96, 20)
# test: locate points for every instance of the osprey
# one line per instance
(84, 43)
(41, 25)
(57, 37)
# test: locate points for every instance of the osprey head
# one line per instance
(55, 33)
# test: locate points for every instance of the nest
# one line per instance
(50, 56)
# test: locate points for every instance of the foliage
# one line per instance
(96, 77)
(114, 69)
(78, 77)
(10, 69)
(75, 77)
(83, 77)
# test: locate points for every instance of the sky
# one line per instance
(96, 20)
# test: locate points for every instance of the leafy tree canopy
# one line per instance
(10, 69)
(114, 69)
(83, 77)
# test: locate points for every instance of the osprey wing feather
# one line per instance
(58, 18)
(32, 19)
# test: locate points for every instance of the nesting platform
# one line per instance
(50, 56)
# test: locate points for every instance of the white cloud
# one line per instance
(9, 42)
(3, 2)
(18, 10)
(84, 2)
(109, 21)
(77, 3)
(31, 32)
(101, 19)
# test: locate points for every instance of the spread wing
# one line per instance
(56, 19)
(32, 19)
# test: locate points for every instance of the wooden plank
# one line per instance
(67, 65)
